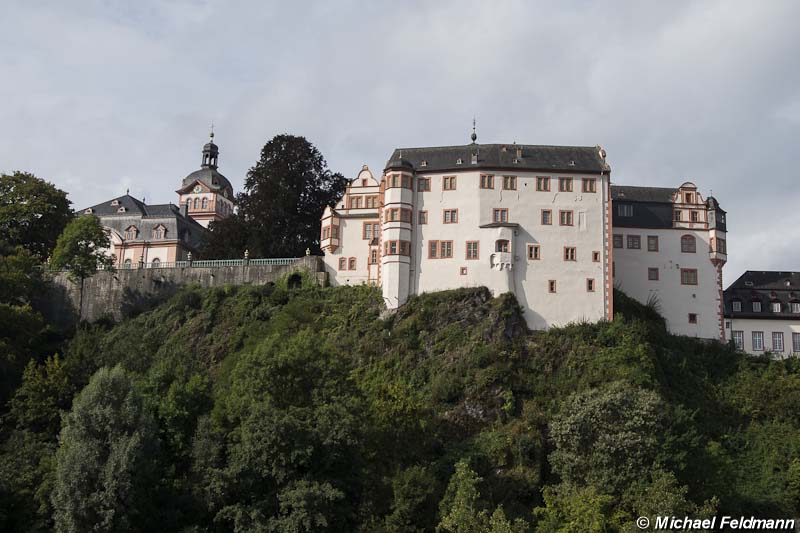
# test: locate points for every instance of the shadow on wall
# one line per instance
(135, 302)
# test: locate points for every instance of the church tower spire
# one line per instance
(210, 151)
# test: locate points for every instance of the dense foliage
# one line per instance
(277, 409)
(279, 209)
(33, 213)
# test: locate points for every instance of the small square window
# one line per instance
(692, 318)
(652, 274)
(463, 271)
(595, 257)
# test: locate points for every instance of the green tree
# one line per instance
(568, 509)
(33, 213)
(20, 277)
(607, 437)
(279, 211)
(81, 250)
(106, 469)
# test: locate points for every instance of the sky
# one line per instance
(99, 97)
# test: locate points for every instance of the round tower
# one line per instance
(396, 213)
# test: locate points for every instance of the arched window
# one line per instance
(205, 203)
(126, 264)
(688, 244)
(155, 263)
(197, 203)
(131, 233)
(501, 246)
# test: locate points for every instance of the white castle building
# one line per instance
(541, 222)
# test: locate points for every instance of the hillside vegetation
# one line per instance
(288, 410)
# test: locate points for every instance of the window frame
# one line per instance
(618, 238)
(505, 243)
(488, 182)
(477, 251)
(570, 253)
(449, 183)
(778, 336)
(589, 185)
(422, 217)
(552, 286)
(543, 183)
(753, 341)
(549, 213)
(736, 306)
(501, 210)
(596, 256)
(426, 181)
(652, 239)
(590, 285)
(453, 216)
(686, 280)
(740, 334)
(650, 271)
(537, 249)
(633, 238)
(564, 184)
(686, 248)
(509, 180)
(342, 263)
(568, 212)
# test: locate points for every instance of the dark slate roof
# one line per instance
(766, 287)
(643, 194)
(148, 217)
(211, 177)
(567, 159)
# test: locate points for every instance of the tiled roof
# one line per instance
(564, 159)
(766, 287)
(643, 194)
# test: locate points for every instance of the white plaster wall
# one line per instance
(353, 245)
(528, 280)
(767, 326)
(676, 300)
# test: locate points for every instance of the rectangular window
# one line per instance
(589, 285)
(618, 240)
(722, 246)
(689, 199)
(758, 341)
(373, 257)
(796, 342)
(342, 263)
(423, 184)
(688, 276)
(534, 252)
(547, 217)
(450, 216)
(756, 307)
(695, 216)
(542, 183)
(652, 243)
(634, 242)
(738, 339)
(652, 274)
(565, 184)
(449, 183)
(565, 218)
(776, 307)
(595, 257)
(472, 249)
(677, 215)
(777, 341)
(795, 307)
(392, 247)
(355, 202)
(351, 264)
(463, 271)
(487, 181)
(625, 210)
(326, 233)
(551, 285)
(335, 232)
(422, 217)
(589, 185)
(570, 253)
(509, 183)
(500, 215)
(370, 231)
(372, 202)
(433, 249)
(445, 249)
(692, 318)
(736, 306)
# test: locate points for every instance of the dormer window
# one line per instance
(159, 232)
(115, 202)
(121, 209)
(474, 159)
(89, 211)
(423, 163)
(756, 306)
(776, 307)
(796, 307)
(131, 233)
(459, 161)
(736, 306)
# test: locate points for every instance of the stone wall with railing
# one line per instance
(126, 291)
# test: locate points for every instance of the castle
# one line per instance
(542, 222)
(161, 234)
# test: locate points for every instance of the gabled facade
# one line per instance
(541, 222)
(669, 250)
(762, 313)
(531, 220)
